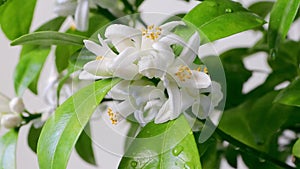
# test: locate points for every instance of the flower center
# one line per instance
(204, 70)
(184, 73)
(152, 32)
(99, 58)
(112, 116)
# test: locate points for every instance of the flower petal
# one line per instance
(99, 67)
(190, 50)
(65, 8)
(171, 25)
(82, 15)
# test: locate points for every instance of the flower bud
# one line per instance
(16, 105)
(11, 120)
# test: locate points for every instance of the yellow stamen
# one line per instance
(112, 116)
(99, 58)
(184, 73)
(152, 32)
(73, 27)
(205, 70)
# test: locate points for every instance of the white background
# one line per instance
(26, 159)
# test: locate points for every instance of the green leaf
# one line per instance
(166, 145)
(210, 16)
(29, 68)
(52, 25)
(62, 130)
(262, 8)
(296, 149)
(256, 121)
(290, 95)
(84, 146)
(16, 17)
(62, 56)
(2, 2)
(282, 16)
(33, 137)
(47, 38)
(8, 144)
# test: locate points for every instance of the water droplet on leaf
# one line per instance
(228, 10)
(189, 165)
(177, 150)
(273, 54)
(262, 160)
(133, 164)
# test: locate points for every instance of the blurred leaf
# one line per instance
(29, 68)
(261, 8)
(52, 25)
(49, 38)
(63, 129)
(231, 156)
(236, 75)
(290, 95)
(84, 146)
(33, 137)
(210, 17)
(16, 17)
(282, 16)
(8, 144)
(166, 145)
(296, 149)
(2, 2)
(256, 121)
(138, 3)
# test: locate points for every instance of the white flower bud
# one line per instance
(16, 105)
(11, 120)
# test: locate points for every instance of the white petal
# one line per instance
(190, 50)
(65, 8)
(82, 15)
(4, 104)
(99, 50)
(16, 105)
(171, 39)
(125, 108)
(84, 75)
(202, 107)
(171, 25)
(199, 80)
(120, 91)
(216, 93)
(164, 113)
(11, 120)
(123, 36)
(99, 67)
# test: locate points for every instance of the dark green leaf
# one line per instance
(52, 25)
(210, 17)
(262, 8)
(138, 2)
(84, 146)
(8, 144)
(256, 121)
(33, 137)
(166, 145)
(29, 68)
(62, 130)
(16, 17)
(282, 16)
(290, 95)
(2, 2)
(49, 38)
(296, 149)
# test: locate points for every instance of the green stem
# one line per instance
(31, 117)
(247, 149)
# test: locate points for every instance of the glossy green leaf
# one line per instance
(256, 121)
(84, 146)
(62, 56)
(261, 8)
(49, 38)
(290, 95)
(296, 149)
(62, 130)
(167, 145)
(33, 137)
(282, 16)
(210, 16)
(29, 68)
(16, 17)
(8, 143)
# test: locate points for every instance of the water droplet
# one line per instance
(189, 165)
(273, 54)
(262, 160)
(228, 10)
(133, 164)
(236, 148)
(177, 150)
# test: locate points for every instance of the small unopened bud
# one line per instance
(16, 105)
(11, 120)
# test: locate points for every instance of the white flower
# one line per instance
(10, 111)
(78, 8)
(141, 98)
